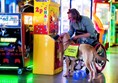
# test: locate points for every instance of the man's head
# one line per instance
(74, 15)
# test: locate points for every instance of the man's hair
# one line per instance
(75, 14)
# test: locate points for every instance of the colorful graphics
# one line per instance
(40, 18)
(53, 17)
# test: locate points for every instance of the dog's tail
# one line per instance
(99, 57)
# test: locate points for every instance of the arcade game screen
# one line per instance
(10, 31)
(10, 38)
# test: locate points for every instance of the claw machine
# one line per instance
(101, 15)
(47, 58)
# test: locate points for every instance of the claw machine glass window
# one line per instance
(103, 11)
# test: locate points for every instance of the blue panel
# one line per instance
(10, 20)
(8, 1)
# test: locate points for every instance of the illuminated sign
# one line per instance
(7, 39)
(28, 20)
(10, 20)
(4, 44)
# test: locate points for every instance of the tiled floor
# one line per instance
(108, 75)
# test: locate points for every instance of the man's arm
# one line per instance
(87, 23)
(80, 36)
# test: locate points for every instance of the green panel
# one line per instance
(4, 44)
(112, 25)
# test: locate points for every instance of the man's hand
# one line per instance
(75, 38)
(61, 35)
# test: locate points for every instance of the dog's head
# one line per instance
(66, 41)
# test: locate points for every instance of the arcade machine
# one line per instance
(47, 57)
(101, 19)
(113, 32)
(27, 28)
(12, 38)
(27, 38)
(11, 55)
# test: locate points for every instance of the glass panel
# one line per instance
(65, 5)
(83, 6)
(102, 11)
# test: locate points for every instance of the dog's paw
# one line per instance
(71, 73)
(94, 76)
(90, 80)
(65, 75)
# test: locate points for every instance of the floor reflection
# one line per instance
(111, 68)
(108, 75)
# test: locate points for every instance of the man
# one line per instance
(81, 31)
(82, 27)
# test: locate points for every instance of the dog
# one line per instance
(88, 54)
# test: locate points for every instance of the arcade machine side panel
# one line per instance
(53, 31)
(10, 41)
(27, 38)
